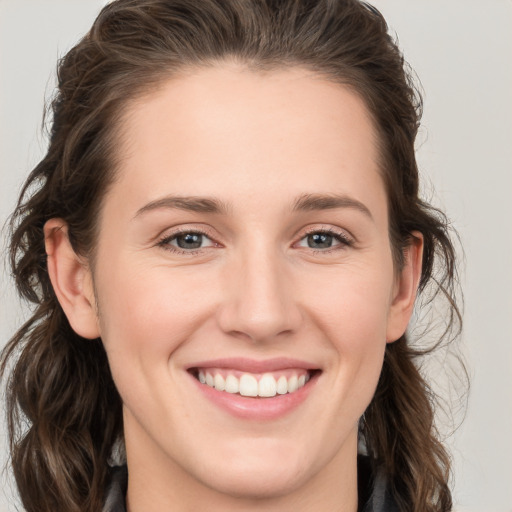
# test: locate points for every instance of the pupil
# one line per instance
(190, 241)
(320, 241)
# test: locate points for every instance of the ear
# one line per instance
(405, 289)
(71, 280)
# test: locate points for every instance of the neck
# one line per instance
(157, 483)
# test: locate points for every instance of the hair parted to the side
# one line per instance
(64, 413)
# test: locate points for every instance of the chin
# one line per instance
(264, 482)
(257, 468)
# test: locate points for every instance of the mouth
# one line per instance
(254, 385)
(255, 390)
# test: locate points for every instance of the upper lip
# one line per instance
(255, 366)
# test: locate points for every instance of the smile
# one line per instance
(255, 390)
(264, 385)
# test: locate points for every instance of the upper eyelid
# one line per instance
(305, 231)
(344, 241)
(207, 231)
(163, 240)
(323, 228)
(183, 230)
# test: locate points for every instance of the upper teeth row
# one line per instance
(248, 385)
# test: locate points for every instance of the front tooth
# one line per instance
(282, 385)
(231, 385)
(248, 385)
(267, 385)
(293, 384)
(219, 381)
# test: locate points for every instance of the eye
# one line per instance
(186, 241)
(325, 239)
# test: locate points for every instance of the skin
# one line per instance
(254, 142)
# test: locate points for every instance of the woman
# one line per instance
(224, 244)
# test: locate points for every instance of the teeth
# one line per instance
(282, 385)
(267, 386)
(219, 382)
(248, 385)
(293, 384)
(232, 384)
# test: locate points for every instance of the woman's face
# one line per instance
(245, 242)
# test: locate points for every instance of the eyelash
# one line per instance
(165, 242)
(342, 238)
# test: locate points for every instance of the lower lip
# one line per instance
(257, 409)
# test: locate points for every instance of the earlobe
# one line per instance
(71, 280)
(406, 288)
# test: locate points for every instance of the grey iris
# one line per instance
(320, 241)
(190, 241)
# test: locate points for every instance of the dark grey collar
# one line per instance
(116, 491)
(373, 494)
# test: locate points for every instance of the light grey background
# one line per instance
(462, 51)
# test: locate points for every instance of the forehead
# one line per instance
(226, 128)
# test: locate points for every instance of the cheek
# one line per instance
(353, 316)
(144, 319)
(354, 304)
(147, 314)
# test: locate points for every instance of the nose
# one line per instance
(259, 302)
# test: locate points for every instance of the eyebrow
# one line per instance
(305, 202)
(310, 202)
(187, 203)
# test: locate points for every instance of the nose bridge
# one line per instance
(259, 302)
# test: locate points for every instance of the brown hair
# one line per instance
(64, 413)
